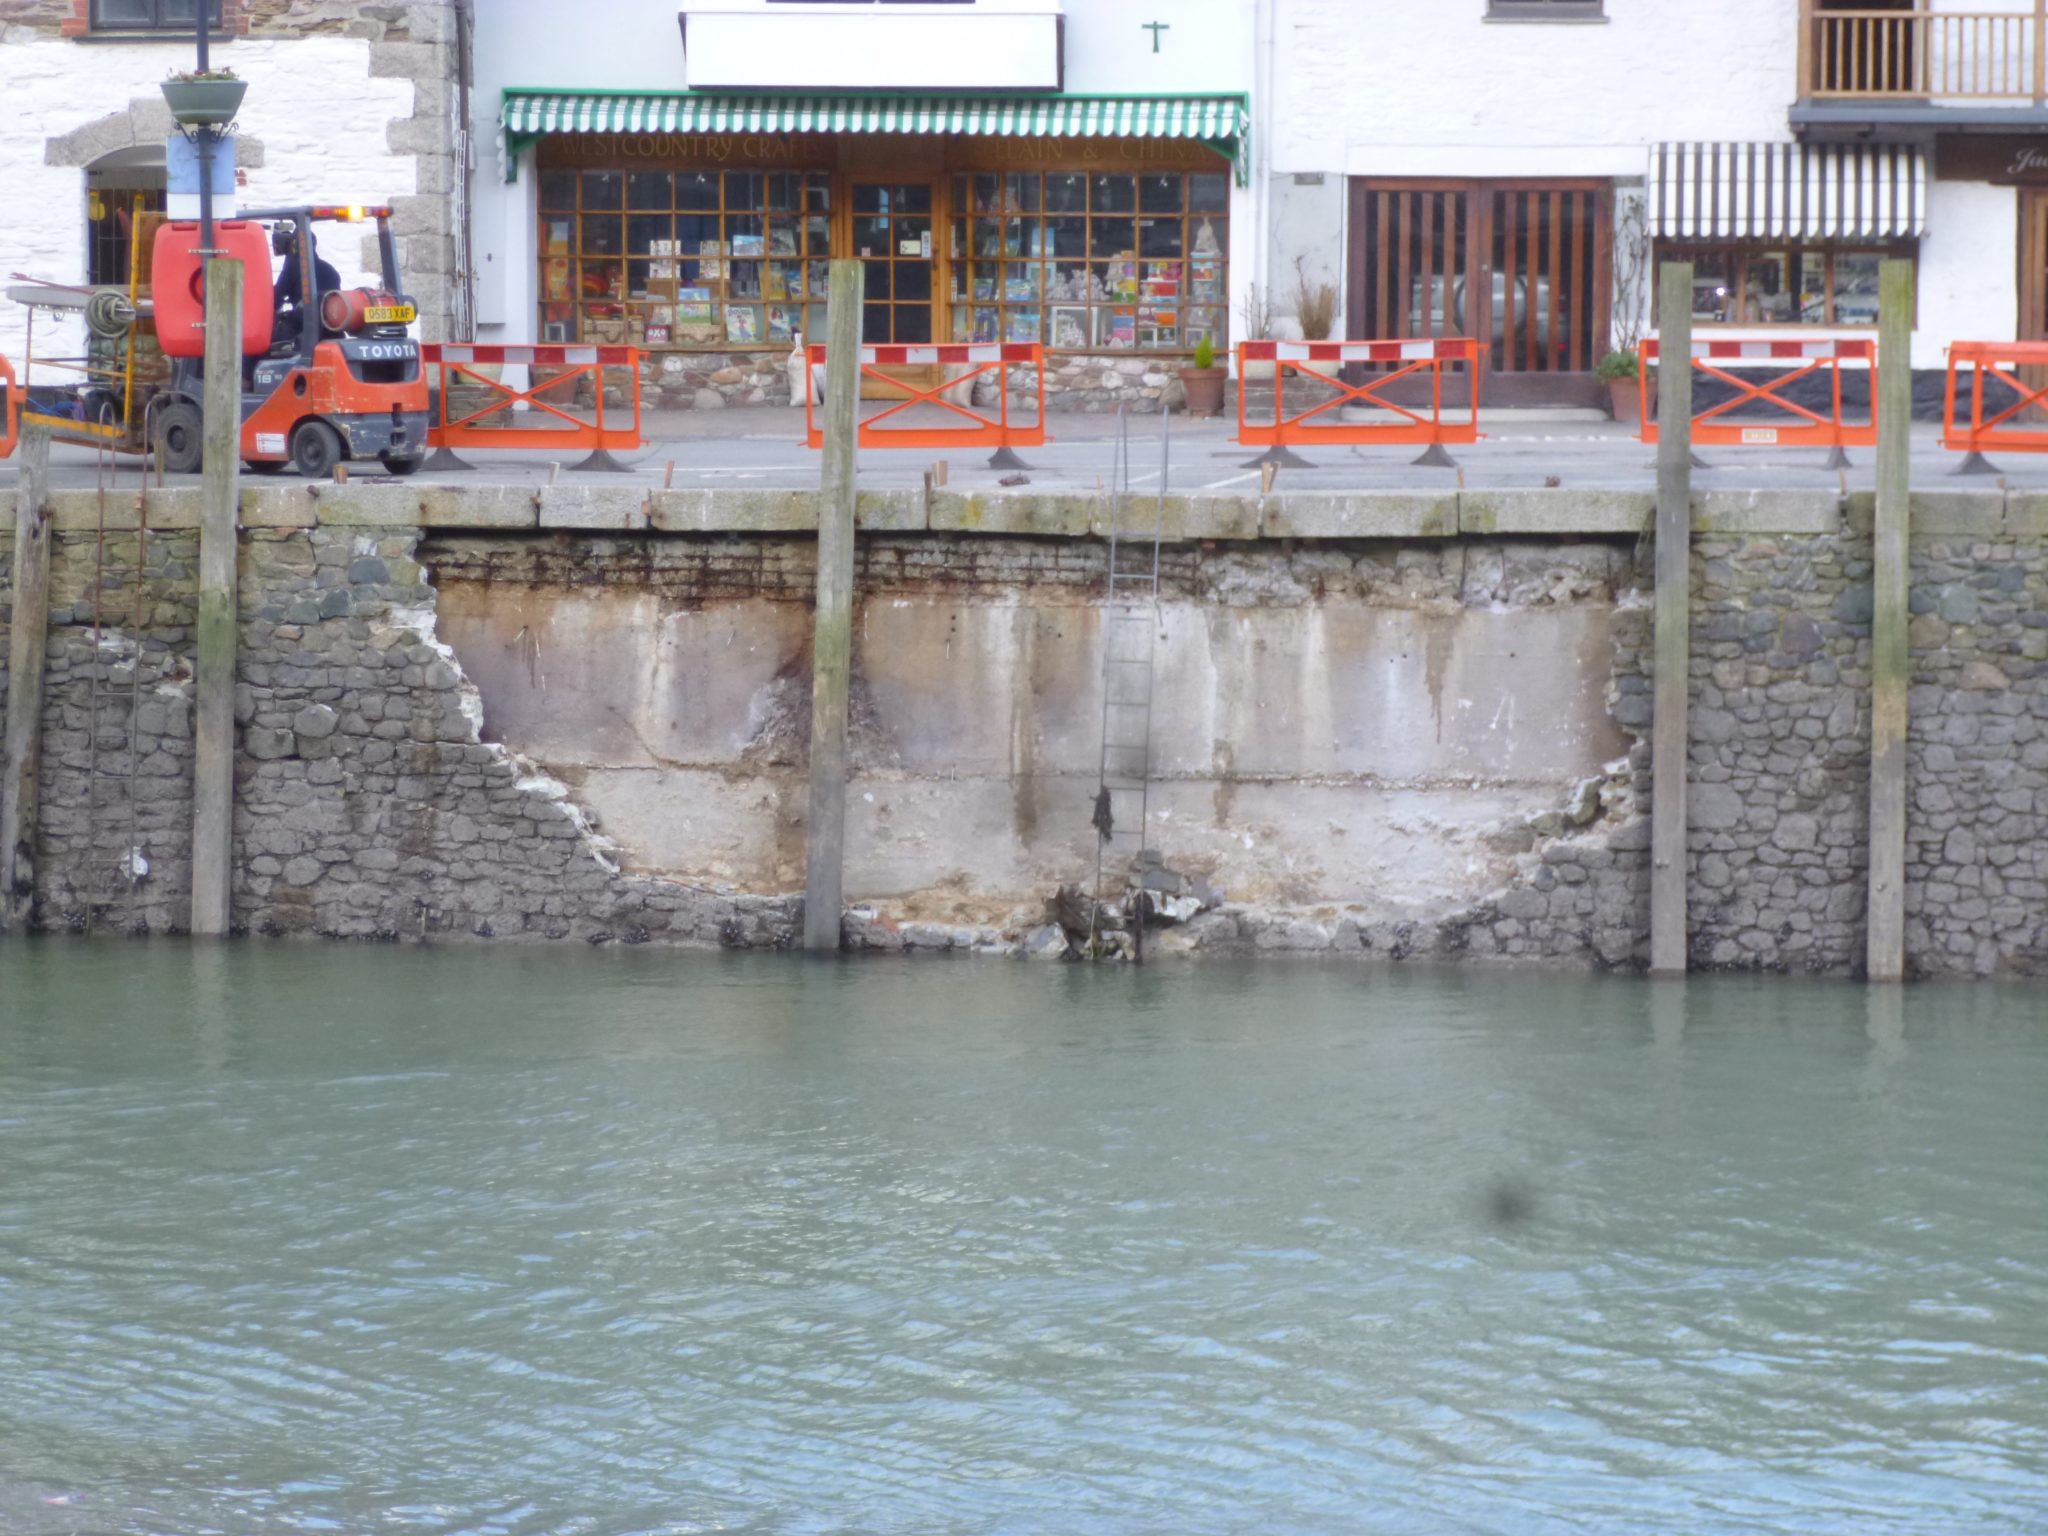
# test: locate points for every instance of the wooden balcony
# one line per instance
(1977, 58)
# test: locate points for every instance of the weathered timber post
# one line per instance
(213, 758)
(1890, 666)
(1673, 651)
(832, 625)
(27, 638)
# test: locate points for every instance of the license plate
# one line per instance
(1759, 434)
(390, 314)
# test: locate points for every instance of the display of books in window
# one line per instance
(709, 266)
(1205, 278)
(1022, 325)
(1122, 331)
(746, 245)
(1069, 329)
(696, 315)
(985, 325)
(781, 240)
(1020, 284)
(657, 335)
(742, 324)
(784, 321)
(984, 288)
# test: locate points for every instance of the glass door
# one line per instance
(892, 234)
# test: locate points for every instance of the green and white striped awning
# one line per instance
(1221, 122)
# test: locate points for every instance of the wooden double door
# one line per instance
(1524, 267)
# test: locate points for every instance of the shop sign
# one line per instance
(2003, 159)
(616, 149)
(1009, 154)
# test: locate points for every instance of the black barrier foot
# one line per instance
(1280, 458)
(446, 459)
(1974, 463)
(1434, 457)
(600, 462)
(1005, 458)
(1838, 458)
(1699, 463)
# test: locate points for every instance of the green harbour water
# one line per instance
(493, 1241)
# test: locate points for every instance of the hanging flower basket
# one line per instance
(200, 103)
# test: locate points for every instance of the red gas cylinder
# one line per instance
(348, 309)
(178, 281)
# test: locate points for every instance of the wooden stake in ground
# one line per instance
(1890, 665)
(27, 638)
(832, 627)
(213, 744)
(1673, 652)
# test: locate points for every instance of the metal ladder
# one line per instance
(108, 699)
(1130, 627)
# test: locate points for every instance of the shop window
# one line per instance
(683, 258)
(152, 15)
(1090, 262)
(1783, 285)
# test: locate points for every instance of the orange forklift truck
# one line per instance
(339, 379)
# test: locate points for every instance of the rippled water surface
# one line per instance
(297, 1239)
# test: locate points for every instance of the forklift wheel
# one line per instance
(401, 463)
(316, 449)
(180, 438)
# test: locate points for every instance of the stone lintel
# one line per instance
(1952, 513)
(1555, 510)
(1801, 512)
(1053, 516)
(478, 506)
(360, 506)
(603, 508)
(1362, 515)
(1179, 519)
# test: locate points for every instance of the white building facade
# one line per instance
(346, 104)
(676, 178)
(1512, 169)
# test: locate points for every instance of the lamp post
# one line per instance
(205, 111)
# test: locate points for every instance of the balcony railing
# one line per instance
(1925, 55)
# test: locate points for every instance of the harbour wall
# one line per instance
(1392, 726)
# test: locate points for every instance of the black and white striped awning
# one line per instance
(1742, 191)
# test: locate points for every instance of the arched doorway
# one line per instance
(122, 189)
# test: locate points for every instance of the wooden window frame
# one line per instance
(965, 267)
(1740, 252)
(157, 26)
(725, 212)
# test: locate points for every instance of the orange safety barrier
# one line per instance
(495, 424)
(10, 409)
(1001, 431)
(2007, 426)
(1401, 424)
(1791, 425)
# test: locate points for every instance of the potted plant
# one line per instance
(1203, 383)
(204, 97)
(1256, 312)
(1315, 303)
(1618, 371)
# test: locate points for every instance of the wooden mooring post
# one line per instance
(832, 624)
(1673, 646)
(1890, 663)
(27, 639)
(213, 754)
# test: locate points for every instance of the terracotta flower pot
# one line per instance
(1627, 402)
(1204, 390)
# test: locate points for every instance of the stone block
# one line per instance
(1969, 514)
(2026, 514)
(77, 509)
(997, 512)
(889, 511)
(734, 511)
(478, 506)
(365, 506)
(286, 504)
(609, 508)
(1181, 519)
(1362, 515)
(1555, 511)
(1805, 512)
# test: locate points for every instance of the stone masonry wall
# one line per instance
(366, 804)
(369, 806)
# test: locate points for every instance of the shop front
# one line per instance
(699, 229)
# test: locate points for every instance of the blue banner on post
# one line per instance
(181, 177)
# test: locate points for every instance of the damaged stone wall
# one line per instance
(366, 806)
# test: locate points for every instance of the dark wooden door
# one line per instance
(2033, 258)
(1522, 266)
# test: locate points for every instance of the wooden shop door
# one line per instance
(1521, 266)
(894, 234)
